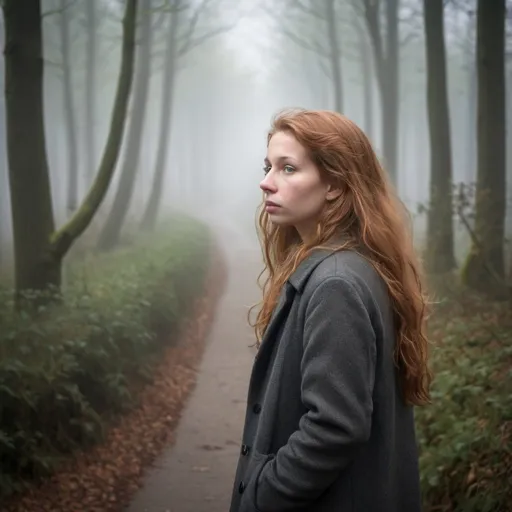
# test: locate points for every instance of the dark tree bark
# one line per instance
(484, 269)
(440, 251)
(4, 181)
(31, 204)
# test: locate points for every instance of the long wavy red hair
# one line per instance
(372, 220)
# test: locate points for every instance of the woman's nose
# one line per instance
(267, 184)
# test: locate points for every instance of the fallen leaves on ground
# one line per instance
(105, 478)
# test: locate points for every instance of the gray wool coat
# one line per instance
(326, 429)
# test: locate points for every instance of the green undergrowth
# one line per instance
(465, 435)
(65, 376)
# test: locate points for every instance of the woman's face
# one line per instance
(295, 194)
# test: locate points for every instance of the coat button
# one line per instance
(241, 488)
(245, 449)
(256, 408)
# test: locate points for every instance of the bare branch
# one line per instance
(60, 10)
(57, 65)
(192, 26)
(162, 11)
(408, 38)
(193, 43)
(358, 7)
(313, 46)
(166, 8)
(190, 42)
(159, 21)
(325, 68)
(308, 10)
(414, 14)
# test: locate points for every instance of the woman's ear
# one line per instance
(332, 193)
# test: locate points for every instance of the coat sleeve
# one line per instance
(338, 368)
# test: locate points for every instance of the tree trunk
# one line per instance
(439, 250)
(508, 207)
(334, 55)
(31, 204)
(389, 130)
(387, 67)
(484, 269)
(4, 182)
(90, 92)
(152, 206)
(390, 123)
(64, 238)
(69, 111)
(38, 249)
(471, 123)
(367, 76)
(110, 234)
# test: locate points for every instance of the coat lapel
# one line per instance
(279, 314)
(294, 285)
(262, 359)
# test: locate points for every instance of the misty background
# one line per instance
(207, 80)
(132, 140)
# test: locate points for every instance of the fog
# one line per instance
(246, 61)
(133, 136)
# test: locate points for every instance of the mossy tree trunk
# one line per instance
(39, 249)
(439, 250)
(484, 267)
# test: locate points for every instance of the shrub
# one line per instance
(465, 436)
(64, 376)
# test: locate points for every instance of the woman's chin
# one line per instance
(279, 220)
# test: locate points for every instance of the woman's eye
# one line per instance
(288, 168)
(266, 169)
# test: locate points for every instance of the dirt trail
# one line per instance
(196, 473)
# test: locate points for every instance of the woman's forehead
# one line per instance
(283, 145)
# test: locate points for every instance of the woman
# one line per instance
(342, 352)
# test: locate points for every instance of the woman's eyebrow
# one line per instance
(281, 159)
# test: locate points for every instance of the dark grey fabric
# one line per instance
(326, 428)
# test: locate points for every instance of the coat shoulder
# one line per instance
(354, 269)
(347, 265)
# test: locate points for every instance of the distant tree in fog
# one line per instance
(188, 28)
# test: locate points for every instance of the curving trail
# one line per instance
(196, 473)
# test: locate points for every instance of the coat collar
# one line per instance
(300, 277)
(302, 273)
